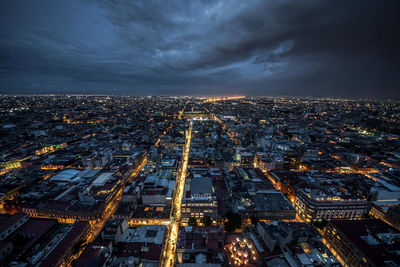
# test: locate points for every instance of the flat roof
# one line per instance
(102, 178)
(201, 185)
(355, 230)
(65, 175)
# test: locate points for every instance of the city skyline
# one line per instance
(150, 133)
(103, 180)
(257, 48)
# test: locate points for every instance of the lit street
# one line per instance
(168, 253)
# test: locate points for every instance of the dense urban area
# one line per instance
(93, 180)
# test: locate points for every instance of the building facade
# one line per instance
(311, 207)
(363, 242)
(199, 199)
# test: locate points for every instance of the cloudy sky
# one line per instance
(318, 48)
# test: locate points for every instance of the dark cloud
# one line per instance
(324, 48)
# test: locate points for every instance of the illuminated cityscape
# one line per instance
(199, 133)
(172, 181)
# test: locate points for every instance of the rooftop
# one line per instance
(201, 186)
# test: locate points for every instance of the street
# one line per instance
(168, 253)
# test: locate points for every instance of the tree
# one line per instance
(254, 221)
(78, 246)
(229, 227)
(234, 221)
(206, 220)
(321, 224)
(192, 221)
(367, 216)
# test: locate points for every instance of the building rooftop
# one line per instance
(201, 186)
(146, 234)
(65, 175)
(375, 239)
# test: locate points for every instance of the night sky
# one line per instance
(303, 48)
